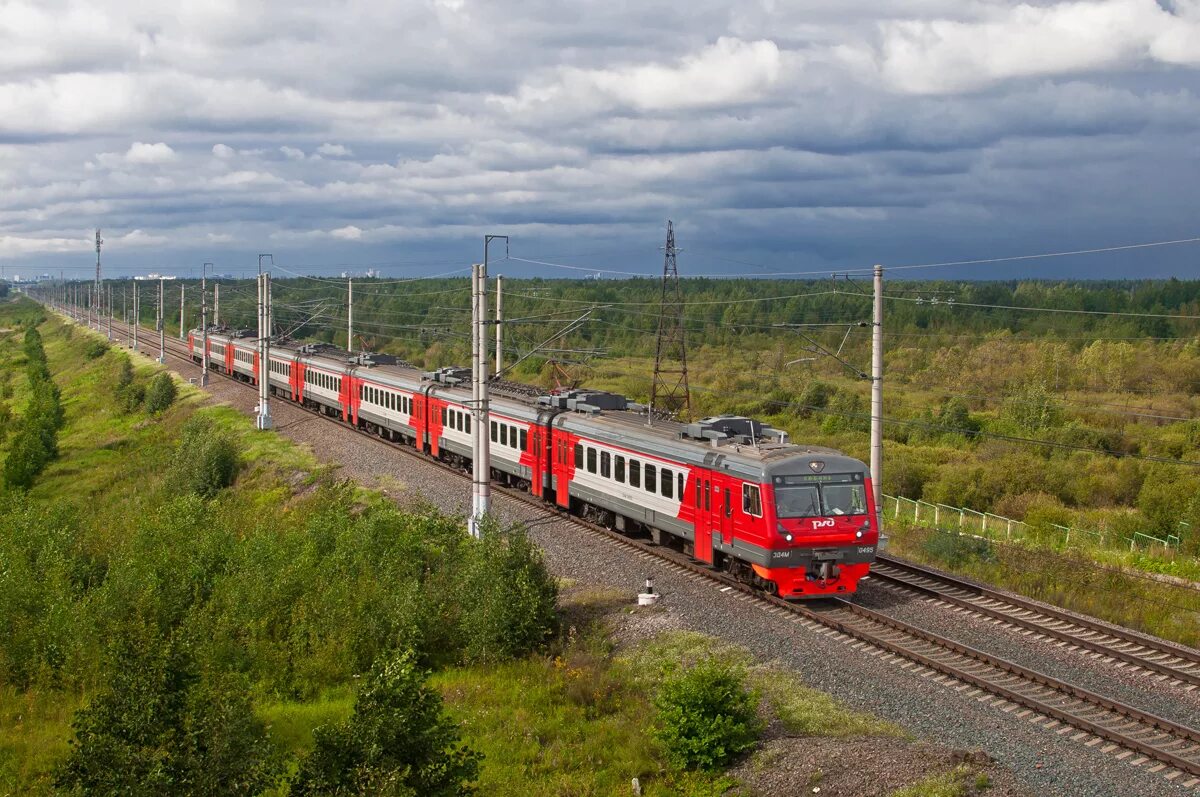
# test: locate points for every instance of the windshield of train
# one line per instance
(820, 495)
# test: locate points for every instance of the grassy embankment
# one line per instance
(295, 585)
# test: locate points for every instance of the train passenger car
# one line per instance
(795, 520)
(388, 399)
(518, 429)
(324, 380)
(218, 349)
(283, 371)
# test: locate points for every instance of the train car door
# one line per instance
(563, 466)
(703, 524)
(537, 455)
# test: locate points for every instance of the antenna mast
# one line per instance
(669, 394)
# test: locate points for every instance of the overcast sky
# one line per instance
(780, 136)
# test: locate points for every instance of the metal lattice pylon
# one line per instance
(669, 394)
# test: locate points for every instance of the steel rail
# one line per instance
(1184, 664)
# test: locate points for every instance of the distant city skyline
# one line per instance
(779, 137)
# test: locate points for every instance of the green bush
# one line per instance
(398, 741)
(159, 728)
(706, 715)
(160, 393)
(205, 462)
(37, 442)
(95, 350)
(955, 550)
(509, 595)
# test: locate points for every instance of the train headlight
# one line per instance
(858, 535)
(787, 537)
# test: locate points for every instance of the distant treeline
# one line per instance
(409, 317)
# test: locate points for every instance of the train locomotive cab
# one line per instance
(821, 526)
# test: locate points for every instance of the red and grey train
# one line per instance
(796, 520)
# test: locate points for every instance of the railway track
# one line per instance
(1126, 648)
(1123, 731)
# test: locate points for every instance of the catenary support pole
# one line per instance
(216, 304)
(499, 324)
(877, 398)
(110, 311)
(481, 464)
(137, 313)
(182, 328)
(350, 314)
(477, 430)
(162, 327)
(204, 325)
(264, 350)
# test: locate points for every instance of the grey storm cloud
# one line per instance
(802, 134)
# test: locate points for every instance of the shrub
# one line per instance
(27, 457)
(37, 442)
(509, 595)
(159, 728)
(397, 741)
(160, 394)
(847, 413)
(205, 462)
(706, 716)
(95, 350)
(955, 550)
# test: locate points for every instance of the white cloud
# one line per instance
(150, 153)
(334, 150)
(728, 72)
(222, 151)
(347, 233)
(292, 153)
(138, 238)
(943, 55)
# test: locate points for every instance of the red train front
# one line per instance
(795, 520)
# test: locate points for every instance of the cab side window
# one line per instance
(751, 500)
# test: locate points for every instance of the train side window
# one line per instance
(512, 436)
(591, 460)
(578, 455)
(651, 478)
(620, 469)
(681, 481)
(635, 473)
(605, 464)
(467, 422)
(495, 432)
(443, 416)
(707, 495)
(665, 483)
(751, 500)
(728, 504)
(524, 439)
(504, 434)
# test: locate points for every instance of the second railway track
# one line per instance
(1139, 737)
(1175, 663)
